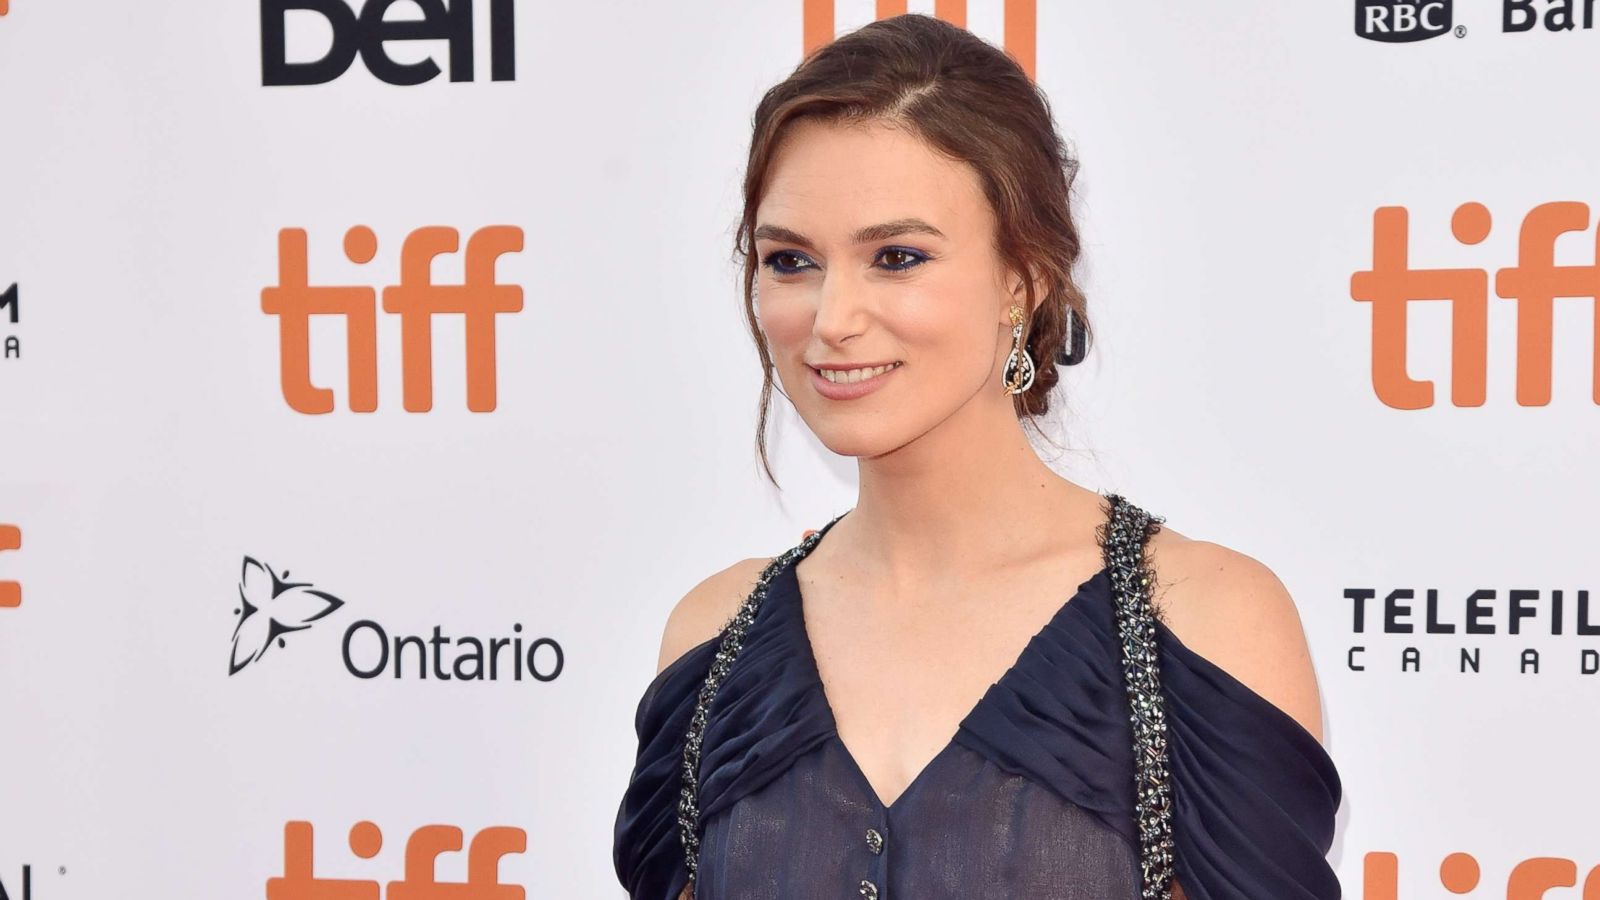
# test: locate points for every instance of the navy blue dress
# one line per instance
(1033, 797)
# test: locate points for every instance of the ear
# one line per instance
(1019, 295)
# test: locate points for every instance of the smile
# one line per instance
(850, 376)
(848, 384)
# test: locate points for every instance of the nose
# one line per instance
(843, 308)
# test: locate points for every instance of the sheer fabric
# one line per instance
(1033, 797)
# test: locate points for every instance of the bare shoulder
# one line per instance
(1234, 611)
(708, 606)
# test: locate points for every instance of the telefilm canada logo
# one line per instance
(271, 607)
(366, 29)
(10, 315)
(1528, 631)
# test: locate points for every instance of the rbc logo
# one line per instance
(367, 33)
(1400, 21)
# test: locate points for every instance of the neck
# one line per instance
(969, 494)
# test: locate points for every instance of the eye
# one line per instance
(781, 261)
(910, 258)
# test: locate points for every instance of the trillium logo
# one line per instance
(271, 607)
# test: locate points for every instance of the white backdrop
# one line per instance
(1233, 161)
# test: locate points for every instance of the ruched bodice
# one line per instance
(1032, 797)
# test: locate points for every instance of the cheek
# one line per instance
(947, 324)
(786, 316)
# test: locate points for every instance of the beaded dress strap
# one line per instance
(727, 651)
(1123, 539)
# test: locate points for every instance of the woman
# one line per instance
(932, 719)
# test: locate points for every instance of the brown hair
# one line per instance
(970, 101)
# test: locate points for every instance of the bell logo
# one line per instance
(1021, 24)
(1533, 284)
(416, 300)
(368, 32)
(10, 591)
(299, 882)
(1401, 21)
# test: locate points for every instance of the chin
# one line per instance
(860, 438)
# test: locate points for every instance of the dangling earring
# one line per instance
(1076, 345)
(1018, 372)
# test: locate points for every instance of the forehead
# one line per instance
(826, 179)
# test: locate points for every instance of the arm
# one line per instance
(1234, 611)
(708, 606)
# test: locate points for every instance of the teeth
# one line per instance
(850, 376)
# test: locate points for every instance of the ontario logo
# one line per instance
(270, 607)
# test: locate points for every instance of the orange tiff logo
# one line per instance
(1021, 24)
(416, 299)
(1459, 874)
(423, 848)
(1533, 284)
(10, 591)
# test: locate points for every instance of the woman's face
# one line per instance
(875, 250)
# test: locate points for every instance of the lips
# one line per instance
(851, 390)
(849, 374)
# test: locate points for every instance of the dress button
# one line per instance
(869, 890)
(874, 840)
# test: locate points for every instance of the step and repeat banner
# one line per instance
(373, 381)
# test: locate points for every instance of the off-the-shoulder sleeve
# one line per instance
(1254, 793)
(768, 712)
(646, 850)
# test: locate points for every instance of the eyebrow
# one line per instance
(865, 235)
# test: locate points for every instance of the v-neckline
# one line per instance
(814, 671)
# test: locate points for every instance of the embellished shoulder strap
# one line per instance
(1123, 538)
(727, 651)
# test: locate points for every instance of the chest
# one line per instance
(900, 671)
(973, 830)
